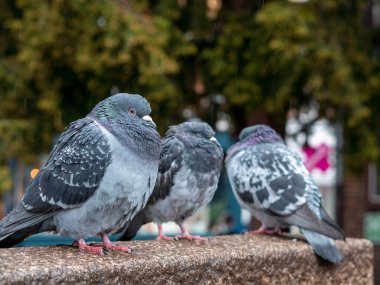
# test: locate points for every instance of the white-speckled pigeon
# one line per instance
(272, 183)
(190, 164)
(98, 176)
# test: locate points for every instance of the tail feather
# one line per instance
(19, 224)
(323, 246)
(326, 218)
(305, 218)
(18, 236)
(134, 226)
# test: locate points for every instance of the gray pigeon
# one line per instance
(190, 165)
(98, 176)
(271, 182)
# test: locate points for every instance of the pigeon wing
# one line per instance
(73, 171)
(268, 176)
(170, 163)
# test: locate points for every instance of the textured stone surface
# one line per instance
(235, 259)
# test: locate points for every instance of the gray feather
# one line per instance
(131, 229)
(306, 219)
(323, 246)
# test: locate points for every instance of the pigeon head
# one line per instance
(126, 116)
(199, 140)
(123, 106)
(254, 135)
(259, 134)
(194, 128)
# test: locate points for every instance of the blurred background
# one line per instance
(310, 69)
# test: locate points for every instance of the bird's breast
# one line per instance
(129, 175)
(190, 192)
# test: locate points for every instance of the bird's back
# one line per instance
(193, 180)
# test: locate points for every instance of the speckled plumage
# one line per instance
(272, 183)
(190, 165)
(98, 176)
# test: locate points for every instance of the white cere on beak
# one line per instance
(147, 118)
(213, 139)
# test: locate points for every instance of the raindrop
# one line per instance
(236, 68)
(25, 107)
(19, 32)
(262, 5)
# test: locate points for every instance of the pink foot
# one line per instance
(185, 234)
(164, 237)
(108, 245)
(161, 234)
(122, 248)
(264, 230)
(81, 244)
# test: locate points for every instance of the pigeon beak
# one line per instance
(148, 119)
(213, 139)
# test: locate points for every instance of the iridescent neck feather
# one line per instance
(254, 135)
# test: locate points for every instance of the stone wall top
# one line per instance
(234, 259)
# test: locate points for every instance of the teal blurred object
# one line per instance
(45, 239)
(232, 212)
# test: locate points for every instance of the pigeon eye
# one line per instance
(132, 111)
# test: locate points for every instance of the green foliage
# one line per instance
(289, 55)
(5, 180)
(68, 55)
(59, 58)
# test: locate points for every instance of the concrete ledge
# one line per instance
(235, 259)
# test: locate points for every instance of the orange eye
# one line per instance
(132, 111)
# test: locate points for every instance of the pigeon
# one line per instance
(99, 175)
(190, 164)
(271, 182)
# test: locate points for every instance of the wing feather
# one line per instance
(73, 170)
(170, 163)
(272, 178)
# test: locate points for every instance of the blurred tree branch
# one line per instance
(59, 58)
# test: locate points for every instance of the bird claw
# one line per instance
(122, 248)
(106, 250)
(102, 249)
(92, 249)
(163, 237)
(95, 244)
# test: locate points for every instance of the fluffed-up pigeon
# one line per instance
(190, 165)
(99, 175)
(271, 182)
